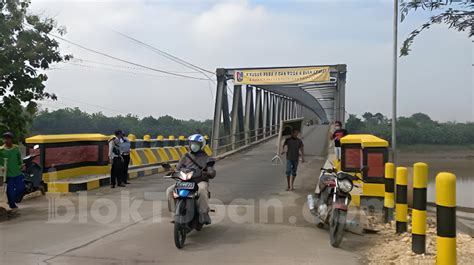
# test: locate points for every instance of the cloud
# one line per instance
(216, 34)
(229, 20)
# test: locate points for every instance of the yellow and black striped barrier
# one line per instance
(420, 184)
(389, 198)
(401, 208)
(446, 218)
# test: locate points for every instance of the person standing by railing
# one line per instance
(116, 160)
(338, 133)
(125, 149)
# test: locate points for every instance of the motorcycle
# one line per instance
(186, 194)
(33, 173)
(331, 206)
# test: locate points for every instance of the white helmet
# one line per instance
(197, 138)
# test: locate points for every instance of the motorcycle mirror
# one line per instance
(211, 163)
(36, 146)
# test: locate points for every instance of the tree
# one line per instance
(354, 124)
(459, 16)
(419, 128)
(25, 51)
(73, 120)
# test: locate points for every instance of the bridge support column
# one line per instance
(280, 110)
(249, 115)
(237, 120)
(258, 114)
(273, 111)
(221, 112)
(265, 114)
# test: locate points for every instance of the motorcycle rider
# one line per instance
(196, 160)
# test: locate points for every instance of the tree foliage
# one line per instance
(419, 128)
(459, 15)
(69, 120)
(25, 51)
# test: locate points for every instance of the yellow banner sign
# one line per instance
(281, 76)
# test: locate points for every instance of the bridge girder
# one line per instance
(265, 106)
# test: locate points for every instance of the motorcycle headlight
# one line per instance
(345, 185)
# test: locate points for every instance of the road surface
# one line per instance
(256, 220)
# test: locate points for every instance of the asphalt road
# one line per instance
(256, 220)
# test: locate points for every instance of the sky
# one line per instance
(436, 78)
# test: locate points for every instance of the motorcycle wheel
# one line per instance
(337, 223)
(179, 235)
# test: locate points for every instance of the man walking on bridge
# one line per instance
(294, 149)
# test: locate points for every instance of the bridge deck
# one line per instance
(239, 239)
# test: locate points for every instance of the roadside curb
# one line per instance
(99, 181)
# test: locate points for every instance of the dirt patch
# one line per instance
(386, 247)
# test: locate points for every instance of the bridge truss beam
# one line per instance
(259, 116)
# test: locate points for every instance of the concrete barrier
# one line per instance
(80, 162)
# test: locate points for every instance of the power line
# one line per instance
(125, 61)
(171, 57)
(128, 67)
(165, 54)
(120, 71)
(92, 105)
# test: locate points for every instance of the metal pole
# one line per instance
(218, 110)
(236, 111)
(394, 82)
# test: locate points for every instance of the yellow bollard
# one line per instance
(389, 198)
(420, 184)
(401, 208)
(445, 218)
(132, 137)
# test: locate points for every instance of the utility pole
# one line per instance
(394, 81)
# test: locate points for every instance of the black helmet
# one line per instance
(8, 135)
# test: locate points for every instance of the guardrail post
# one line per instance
(389, 198)
(171, 140)
(147, 141)
(420, 184)
(132, 138)
(445, 218)
(401, 209)
(159, 141)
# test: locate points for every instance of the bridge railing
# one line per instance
(238, 140)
